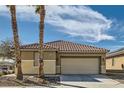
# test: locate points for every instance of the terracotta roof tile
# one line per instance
(35, 46)
(119, 52)
(66, 46)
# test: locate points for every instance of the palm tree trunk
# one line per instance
(16, 42)
(41, 33)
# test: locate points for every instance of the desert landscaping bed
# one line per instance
(31, 81)
(116, 76)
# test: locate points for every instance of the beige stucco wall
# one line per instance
(26, 55)
(50, 66)
(28, 63)
(28, 68)
(118, 61)
(103, 64)
(49, 55)
(52, 61)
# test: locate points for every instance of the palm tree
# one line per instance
(40, 9)
(12, 9)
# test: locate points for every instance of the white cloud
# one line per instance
(76, 21)
(82, 22)
(24, 13)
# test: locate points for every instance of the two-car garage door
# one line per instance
(80, 65)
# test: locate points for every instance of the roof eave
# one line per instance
(83, 52)
(32, 49)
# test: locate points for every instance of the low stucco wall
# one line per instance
(118, 61)
(29, 68)
(50, 66)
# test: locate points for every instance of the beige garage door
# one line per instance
(79, 65)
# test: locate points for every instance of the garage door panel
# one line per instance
(79, 65)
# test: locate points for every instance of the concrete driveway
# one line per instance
(88, 81)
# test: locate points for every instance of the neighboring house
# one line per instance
(64, 57)
(6, 64)
(115, 60)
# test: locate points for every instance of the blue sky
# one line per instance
(101, 26)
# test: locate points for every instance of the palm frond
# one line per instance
(37, 10)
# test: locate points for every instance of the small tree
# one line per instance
(5, 48)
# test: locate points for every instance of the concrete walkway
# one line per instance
(88, 81)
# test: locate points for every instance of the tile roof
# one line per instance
(66, 46)
(35, 46)
(119, 52)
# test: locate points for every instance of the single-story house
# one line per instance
(115, 60)
(64, 57)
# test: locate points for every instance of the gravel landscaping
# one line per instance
(28, 81)
(116, 76)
